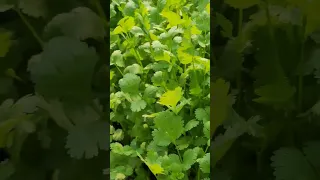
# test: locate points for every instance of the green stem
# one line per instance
(101, 12)
(198, 174)
(100, 9)
(119, 70)
(137, 57)
(30, 27)
(178, 152)
(207, 148)
(136, 53)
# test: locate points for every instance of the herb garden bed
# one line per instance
(160, 90)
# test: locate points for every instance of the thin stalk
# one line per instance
(137, 57)
(119, 70)
(194, 68)
(178, 152)
(179, 155)
(136, 53)
(198, 174)
(30, 27)
(101, 12)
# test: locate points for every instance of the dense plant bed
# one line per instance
(53, 86)
(266, 107)
(160, 89)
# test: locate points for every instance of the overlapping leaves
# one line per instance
(156, 84)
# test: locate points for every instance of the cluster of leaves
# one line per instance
(268, 51)
(53, 120)
(160, 89)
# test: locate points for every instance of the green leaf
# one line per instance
(7, 169)
(150, 91)
(124, 25)
(189, 158)
(202, 20)
(117, 58)
(204, 163)
(169, 124)
(130, 83)
(184, 58)
(158, 46)
(290, 163)
(203, 114)
(226, 25)
(34, 8)
(171, 98)
(219, 103)
(161, 138)
(81, 23)
(277, 93)
(133, 69)
(138, 105)
(5, 42)
(137, 31)
(191, 124)
(64, 69)
(173, 18)
(6, 5)
(85, 140)
(311, 150)
(159, 78)
(118, 148)
(129, 8)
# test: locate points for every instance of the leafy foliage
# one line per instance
(272, 82)
(160, 89)
(53, 119)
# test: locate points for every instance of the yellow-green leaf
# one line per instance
(5, 128)
(171, 98)
(111, 75)
(195, 30)
(165, 56)
(173, 18)
(184, 58)
(153, 37)
(127, 23)
(5, 42)
(208, 8)
(155, 168)
(118, 30)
